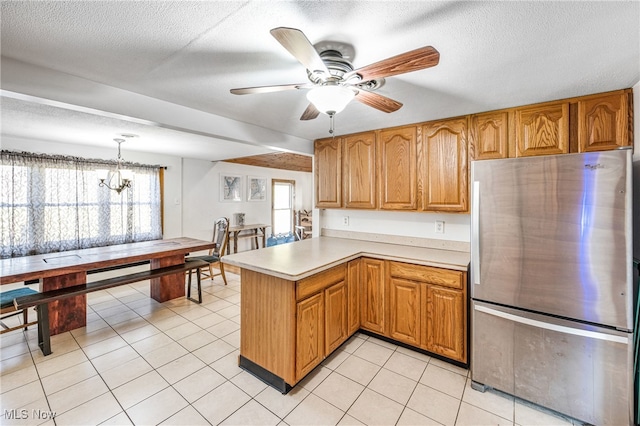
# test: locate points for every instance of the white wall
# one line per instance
(457, 227)
(190, 186)
(201, 196)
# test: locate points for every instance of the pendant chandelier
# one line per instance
(118, 179)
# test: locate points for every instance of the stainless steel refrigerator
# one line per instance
(551, 282)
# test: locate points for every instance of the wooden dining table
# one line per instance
(70, 268)
(253, 231)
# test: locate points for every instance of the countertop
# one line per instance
(300, 259)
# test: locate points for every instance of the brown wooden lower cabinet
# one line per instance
(405, 311)
(309, 334)
(435, 299)
(372, 295)
(445, 321)
(336, 316)
(353, 285)
(288, 328)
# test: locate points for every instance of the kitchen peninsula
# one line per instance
(302, 300)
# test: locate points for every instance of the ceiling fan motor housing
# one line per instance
(333, 55)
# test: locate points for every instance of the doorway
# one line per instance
(283, 200)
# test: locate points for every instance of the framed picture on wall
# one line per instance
(230, 187)
(257, 189)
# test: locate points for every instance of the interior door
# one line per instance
(283, 200)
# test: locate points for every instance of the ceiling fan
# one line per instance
(333, 82)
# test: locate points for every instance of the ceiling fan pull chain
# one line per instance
(331, 125)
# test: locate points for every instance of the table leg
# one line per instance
(170, 286)
(235, 241)
(264, 237)
(255, 238)
(68, 313)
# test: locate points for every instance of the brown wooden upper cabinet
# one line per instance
(445, 181)
(603, 122)
(425, 166)
(359, 170)
(489, 135)
(328, 168)
(397, 168)
(542, 129)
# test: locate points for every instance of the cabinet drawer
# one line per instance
(315, 283)
(427, 274)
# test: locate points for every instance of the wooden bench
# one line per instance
(41, 300)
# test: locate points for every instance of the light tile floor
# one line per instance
(175, 363)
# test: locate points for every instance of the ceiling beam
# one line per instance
(283, 161)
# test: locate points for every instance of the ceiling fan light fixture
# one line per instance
(330, 99)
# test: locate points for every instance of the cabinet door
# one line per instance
(358, 171)
(404, 310)
(446, 322)
(372, 297)
(542, 129)
(328, 169)
(309, 334)
(489, 135)
(397, 150)
(603, 122)
(353, 285)
(336, 316)
(444, 145)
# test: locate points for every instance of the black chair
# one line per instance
(6, 307)
(221, 239)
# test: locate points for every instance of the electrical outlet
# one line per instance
(345, 220)
(439, 227)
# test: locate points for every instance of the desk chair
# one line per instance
(220, 238)
(6, 307)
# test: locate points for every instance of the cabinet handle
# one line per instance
(553, 327)
(475, 233)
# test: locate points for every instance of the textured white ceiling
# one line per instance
(493, 55)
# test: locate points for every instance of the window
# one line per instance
(283, 195)
(54, 203)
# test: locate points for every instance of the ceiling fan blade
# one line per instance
(414, 60)
(300, 47)
(268, 89)
(378, 101)
(310, 113)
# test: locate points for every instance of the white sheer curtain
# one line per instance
(53, 203)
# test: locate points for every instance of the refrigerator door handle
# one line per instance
(552, 327)
(475, 233)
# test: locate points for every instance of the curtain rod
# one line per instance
(58, 157)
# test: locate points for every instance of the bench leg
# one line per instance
(25, 318)
(44, 338)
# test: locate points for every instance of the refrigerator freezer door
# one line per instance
(576, 369)
(553, 234)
